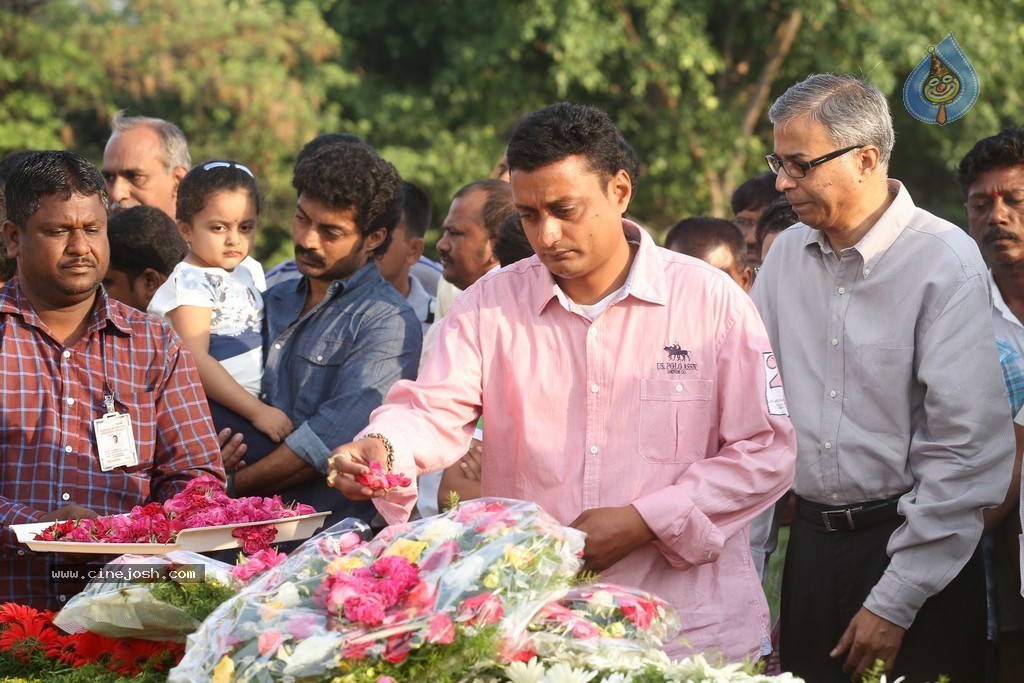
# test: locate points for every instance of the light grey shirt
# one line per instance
(892, 377)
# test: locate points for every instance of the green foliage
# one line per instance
(197, 599)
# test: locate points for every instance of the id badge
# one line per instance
(115, 441)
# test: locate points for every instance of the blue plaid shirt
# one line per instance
(329, 369)
(1013, 374)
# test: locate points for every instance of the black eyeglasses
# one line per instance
(227, 164)
(799, 169)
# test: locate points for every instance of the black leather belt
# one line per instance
(849, 517)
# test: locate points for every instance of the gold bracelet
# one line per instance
(387, 444)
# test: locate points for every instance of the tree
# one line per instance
(688, 83)
(244, 79)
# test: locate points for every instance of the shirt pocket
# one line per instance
(675, 416)
(885, 376)
(141, 407)
(321, 353)
(317, 374)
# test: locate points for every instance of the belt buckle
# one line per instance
(827, 517)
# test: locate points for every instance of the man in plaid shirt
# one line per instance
(69, 356)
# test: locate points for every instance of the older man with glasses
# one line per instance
(879, 314)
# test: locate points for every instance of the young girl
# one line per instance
(214, 305)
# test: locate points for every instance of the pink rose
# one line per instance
(269, 642)
(365, 609)
(440, 629)
(482, 609)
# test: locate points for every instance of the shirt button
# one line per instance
(828, 445)
(593, 449)
(62, 598)
(835, 496)
(832, 394)
(65, 496)
(277, 346)
(679, 387)
(835, 342)
(842, 290)
(71, 401)
(593, 331)
(593, 388)
(319, 359)
(21, 552)
(867, 271)
(68, 449)
(66, 354)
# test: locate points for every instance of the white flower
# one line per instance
(462, 576)
(287, 595)
(440, 530)
(563, 673)
(618, 678)
(313, 655)
(525, 672)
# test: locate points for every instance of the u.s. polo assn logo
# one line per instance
(678, 360)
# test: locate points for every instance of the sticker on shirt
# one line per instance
(678, 361)
(773, 394)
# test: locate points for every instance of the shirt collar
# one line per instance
(883, 233)
(337, 287)
(999, 303)
(104, 311)
(646, 279)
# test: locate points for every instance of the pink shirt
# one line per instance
(668, 401)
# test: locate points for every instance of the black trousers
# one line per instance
(828, 576)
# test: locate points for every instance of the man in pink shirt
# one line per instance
(628, 390)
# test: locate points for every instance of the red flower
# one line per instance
(485, 608)
(255, 538)
(26, 637)
(441, 629)
(131, 656)
(11, 612)
(63, 650)
(397, 648)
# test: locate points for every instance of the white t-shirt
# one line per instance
(236, 320)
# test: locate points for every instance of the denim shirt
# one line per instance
(330, 369)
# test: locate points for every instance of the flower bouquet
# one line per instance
(596, 617)
(422, 601)
(158, 597)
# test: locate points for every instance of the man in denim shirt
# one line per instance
(339, 337)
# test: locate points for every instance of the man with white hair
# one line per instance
(143, 162)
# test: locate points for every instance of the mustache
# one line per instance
(1000, 234)
(309, 255)
(79, 262)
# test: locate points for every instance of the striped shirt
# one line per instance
(51, 395)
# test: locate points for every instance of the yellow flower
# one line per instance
(616, 629)
(269, 610)
(224, 672)
(344, 564)
(519, 556)
(403, 547)
(492, 580)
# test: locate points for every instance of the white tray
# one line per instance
(200, 540)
